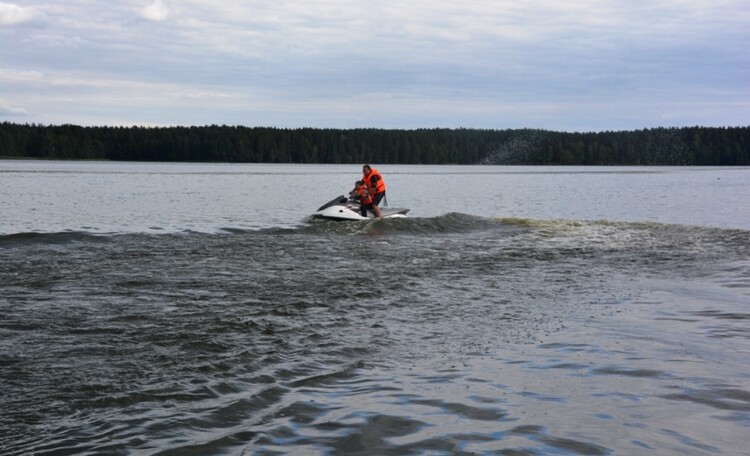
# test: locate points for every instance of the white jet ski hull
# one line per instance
(344, 209)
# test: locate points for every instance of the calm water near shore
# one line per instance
(195, 309)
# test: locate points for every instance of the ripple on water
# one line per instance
(477, 337)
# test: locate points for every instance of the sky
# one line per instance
(583, 65)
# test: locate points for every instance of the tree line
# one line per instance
(658, 146)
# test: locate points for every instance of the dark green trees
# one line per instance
(660, 146)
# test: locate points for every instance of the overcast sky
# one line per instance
(583, 65)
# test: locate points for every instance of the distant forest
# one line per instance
(659, 146)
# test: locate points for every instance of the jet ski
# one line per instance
(343, 208)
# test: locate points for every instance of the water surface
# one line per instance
(50, 196)
(169, 311)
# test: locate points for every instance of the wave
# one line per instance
(451, 223)
(578, 232)
(63, 237)
(651, 239)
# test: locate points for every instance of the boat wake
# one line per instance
(578, 232)
(378, 334)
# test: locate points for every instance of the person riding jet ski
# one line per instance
(375, 185)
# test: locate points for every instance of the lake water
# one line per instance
(105, 197)
(195, 309)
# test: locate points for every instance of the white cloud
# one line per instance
(431, 62)
(11, 111)
(157, 11)
(11, 14)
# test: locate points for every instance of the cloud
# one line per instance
(11, 111)
(486, 63)
(157, 11)
(11, 14)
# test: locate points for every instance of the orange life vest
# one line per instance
(364, 196)
(379, 185)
